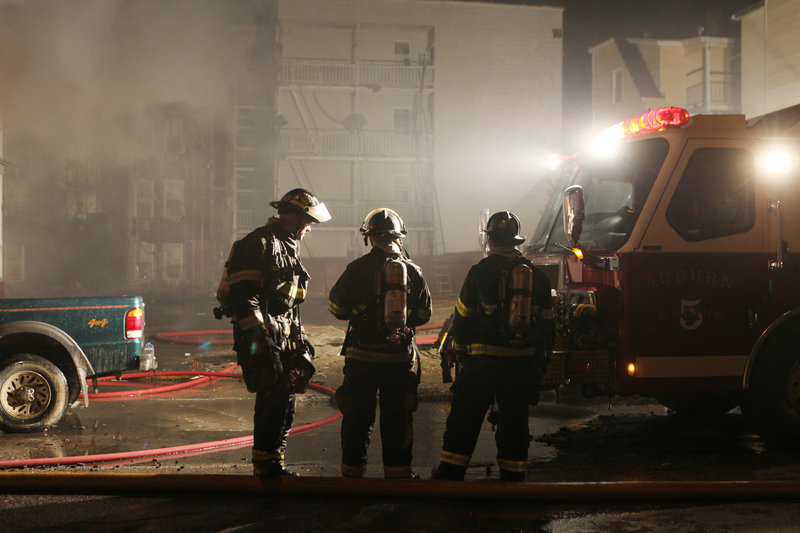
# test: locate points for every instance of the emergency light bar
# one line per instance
(655, 120)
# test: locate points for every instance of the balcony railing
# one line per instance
(349, 214)
(371, 75)
(723, 94)
(347, 144)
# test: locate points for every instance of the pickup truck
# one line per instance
(50, 346)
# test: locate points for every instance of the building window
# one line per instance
(145, 261)
(402, 51)
(401, 188)
(173, 135)
(144, 199)
(173, 199)
(173, 261)
(616, 86)
(402, 121)
(14, 262)
(14, 198)
(716, 195)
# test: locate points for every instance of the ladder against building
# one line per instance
(442, 277)
(252, 182)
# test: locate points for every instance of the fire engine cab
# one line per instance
(673, 247)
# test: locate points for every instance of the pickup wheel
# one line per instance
(771, 406)
(33, 393)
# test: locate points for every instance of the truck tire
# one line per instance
(33, 393)
(707, 404)
(771, 407)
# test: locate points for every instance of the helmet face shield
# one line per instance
(304, 202)
(318, 212)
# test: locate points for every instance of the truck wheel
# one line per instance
(700, 404)
(771, 406)
(33, 393)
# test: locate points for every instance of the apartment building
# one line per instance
(437, 109)
(432, 108)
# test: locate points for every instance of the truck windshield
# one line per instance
(615, 189)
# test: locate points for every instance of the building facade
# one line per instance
(770, 56)
(433, 108)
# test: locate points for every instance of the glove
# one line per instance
(309, 348)
(265, 356)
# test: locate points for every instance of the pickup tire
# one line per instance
(33, 393)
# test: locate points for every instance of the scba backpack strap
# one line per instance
(224, 287)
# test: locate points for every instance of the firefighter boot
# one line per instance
(271, 470)
(448, 471)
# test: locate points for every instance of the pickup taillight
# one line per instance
(134, 323)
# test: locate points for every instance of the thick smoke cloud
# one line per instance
(76, 71)
(87, 89)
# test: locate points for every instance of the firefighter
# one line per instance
(267, 284)
(384, 297)
(502, 327)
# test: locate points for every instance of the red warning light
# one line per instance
(655, 120)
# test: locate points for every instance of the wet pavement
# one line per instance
(575, 440)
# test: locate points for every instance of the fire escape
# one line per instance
(337, 117)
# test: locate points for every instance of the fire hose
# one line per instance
(184, 450)
(533, 492)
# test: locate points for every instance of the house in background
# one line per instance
(770, 56)
(632, 76)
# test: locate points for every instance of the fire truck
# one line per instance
(673, 247)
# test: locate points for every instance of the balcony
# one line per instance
(724, 95)
(348, 145)
(371, 75)
(349, 215)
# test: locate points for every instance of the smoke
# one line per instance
(79, 72)
(88, 93)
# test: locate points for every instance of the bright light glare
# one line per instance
(631, 369)
(607, 141)
(778, 162)
(552, 161)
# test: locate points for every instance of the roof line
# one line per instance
(637, 68)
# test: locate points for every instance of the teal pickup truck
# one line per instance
(50, 346)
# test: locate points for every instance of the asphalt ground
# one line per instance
(576, 440)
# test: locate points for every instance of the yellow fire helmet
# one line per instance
(305, 202)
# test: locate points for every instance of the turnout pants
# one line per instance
(395, 385)
(512, 381)
(272, 420)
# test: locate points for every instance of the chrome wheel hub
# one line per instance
(25, 394)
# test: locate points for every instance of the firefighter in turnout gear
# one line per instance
(267, 284)
(384, 297)
(502, 327)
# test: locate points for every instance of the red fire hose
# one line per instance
(190, 449)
